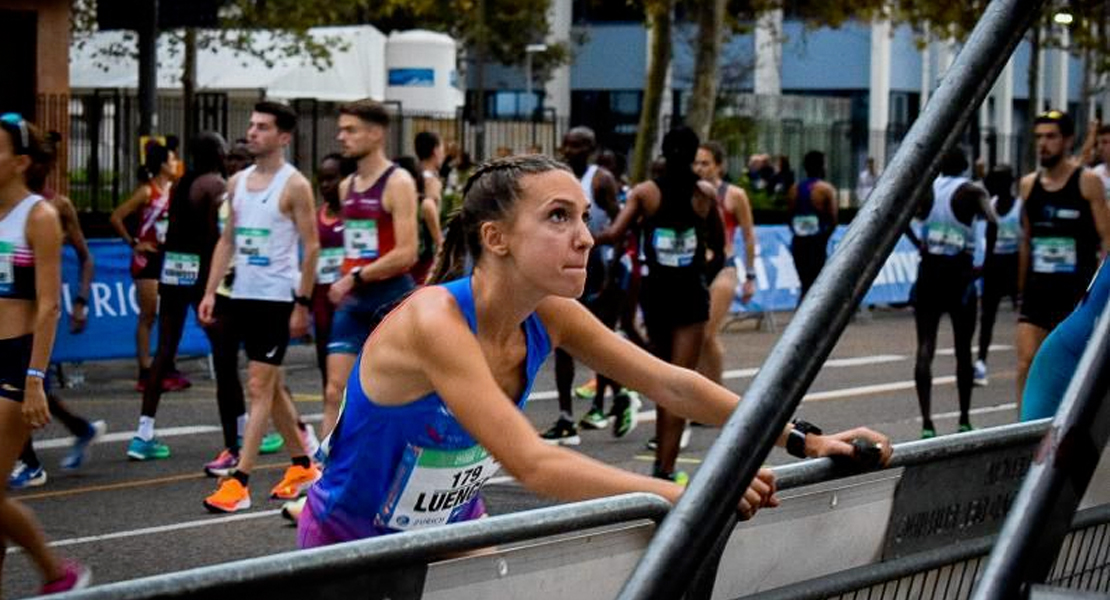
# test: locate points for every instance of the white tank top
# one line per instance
(1009, 228)
(599, 219)
(944, 234)
(265, 241)
(17, 260)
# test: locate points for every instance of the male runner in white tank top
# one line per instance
(271, 207)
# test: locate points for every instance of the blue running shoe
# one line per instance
(140, 449)
(24, 477)
(77, 453)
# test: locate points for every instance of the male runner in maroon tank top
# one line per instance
(379, 240)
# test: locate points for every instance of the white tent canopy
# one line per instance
(357, 68)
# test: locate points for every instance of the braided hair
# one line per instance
(490, 194)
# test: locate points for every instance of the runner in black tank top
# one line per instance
(191, 235)
(813, 219)
(1064, 218)
(672, 211)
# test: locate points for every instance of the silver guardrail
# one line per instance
(523, 554)
(690, 531)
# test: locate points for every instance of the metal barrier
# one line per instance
(693, 527)
(587, 550)
(1058, 478)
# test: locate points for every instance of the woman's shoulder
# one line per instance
(430, 307)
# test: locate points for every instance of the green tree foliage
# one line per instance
(512, 24)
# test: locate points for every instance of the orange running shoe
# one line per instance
(231, 497)
(296, 482)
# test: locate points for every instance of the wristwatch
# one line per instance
(749, 276)
(355, 273)
(302, 300)
(796, 440)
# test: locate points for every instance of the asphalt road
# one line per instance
(129, 520)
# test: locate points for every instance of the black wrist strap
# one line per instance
(796, 440)
(796, 443)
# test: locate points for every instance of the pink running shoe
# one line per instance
(222, 465)
(176, 381)
(76, 576)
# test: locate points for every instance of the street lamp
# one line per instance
(529, 50)
(1063, 18)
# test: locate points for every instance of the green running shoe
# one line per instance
(587, 390)
(626, 407)
(140, 449)
(271, 443)
(594, 419)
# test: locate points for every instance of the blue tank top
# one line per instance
(806, 221)
(394, 468)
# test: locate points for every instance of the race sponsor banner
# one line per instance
(777, 285)
(114, 307)
(113, 310)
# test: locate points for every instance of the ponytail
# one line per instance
(450, 261)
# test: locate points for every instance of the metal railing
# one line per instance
(1058, 478)
(691, 529)
(391, 566)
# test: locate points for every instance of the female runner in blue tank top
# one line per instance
(425, 423)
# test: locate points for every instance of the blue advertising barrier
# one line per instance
(113, 310)
(777, 285)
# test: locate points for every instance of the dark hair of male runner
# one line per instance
(367, 110)
(1060, 118)
(1103, 130)
(953, 163)
(814, 164)
(716, 149)
(490, 194)
(284, 116)
(425, 143)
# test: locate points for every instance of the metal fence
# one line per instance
(101, 164)
(825, 507)
(950, 573)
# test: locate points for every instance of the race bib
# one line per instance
(945, 240)
(329, 266)
(360, 239)
(675, 249)
(1054, 255)
(1007, 240)
(806, 225)
(432, 486)
(179, 268)
(253, 245)
(7, 267)
(161, 226)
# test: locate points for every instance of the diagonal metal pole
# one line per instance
(1042, 512)
(707, 509)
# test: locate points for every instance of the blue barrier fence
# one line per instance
(114, 308)
(777, 286)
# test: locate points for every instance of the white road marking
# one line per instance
(159, 529)
(648, 416)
